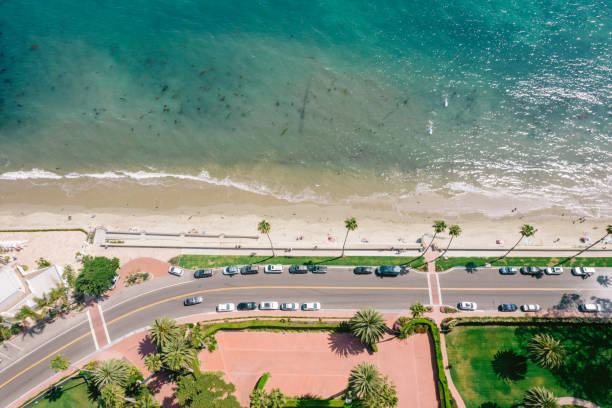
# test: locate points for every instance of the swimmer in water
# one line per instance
(446, 102)
(430, 128)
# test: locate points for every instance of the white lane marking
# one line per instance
(104, 323)
(111, 307)
(93, 333)
(439, 292)
(429, 290)
(14, 345)
(32, 351)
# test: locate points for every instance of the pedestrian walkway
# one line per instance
(576, 401)
(97, 325)
(434, 289)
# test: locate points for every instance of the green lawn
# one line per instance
(490, 364)
(211, 261)
(73, 393)
(442, 264)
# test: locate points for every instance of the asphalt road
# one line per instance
(135, 307)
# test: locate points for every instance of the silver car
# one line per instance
(530, 308)
(467, 305)
(553, 270)
(290, 306)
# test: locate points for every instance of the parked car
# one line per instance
(249, 270)
(553, 270)
(225, 307)
(175, 270)
(318, 269)
(467, 306)
(388, 270)
(363, 270)
(193, 300)
(278, 268)
(311, 307)
(530, 308)
(508, 307)
(291, 306)
(203, 273)
(298, 269)
(114, 282)
(531, 270)
(589, 307)
(582, 271)
(231, 270)
(268, 305)
(247, 306)
(508, 270)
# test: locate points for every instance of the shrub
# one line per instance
(16, 328)
(210, 342)
(446, 309)
(42, 263)
(261, 383)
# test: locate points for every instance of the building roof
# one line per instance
(11, 287)
(44, 280)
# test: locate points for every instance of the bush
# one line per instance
(42, 263)
(210, 342)
(446, 309)
(136, 277)
(261, 383)
(16, 328)
(96, 276)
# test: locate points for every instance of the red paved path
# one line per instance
(320, 363)
(97, 323)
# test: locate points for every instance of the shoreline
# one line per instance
(187, 206)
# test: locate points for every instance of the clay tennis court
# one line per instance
(319, 364)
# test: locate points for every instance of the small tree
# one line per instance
(439, 226)
(454, 231)
(59, 363)
(351, 225)
(276, 399)
(153, 362)
(258, 399)
(264, 227)
(97, 275)
(68, 276)
(42, 263)
(163, 331)
(206, 391)
(113, 396)
(111, 372)
(418, 310)
(177, 355)
(364, 380)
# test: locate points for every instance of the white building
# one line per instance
(12, 288)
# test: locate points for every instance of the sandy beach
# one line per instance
(188, 206)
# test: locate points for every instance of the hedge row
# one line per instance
(450, 322)
(261, 383)
(297, 402)
(47, 230)
(271, 324)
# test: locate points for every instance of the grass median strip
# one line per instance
(475, 262)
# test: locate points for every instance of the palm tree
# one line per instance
(526, 231)
(258, 399)
(177, 355)
(364, 380)
(546, 351)
(111, 372)
(351, 225)
(454, 231)
(368, 326)
(163, 331)
(153, 363)
(439, 226)
(112, 396)
(264, 228)
(539, 397)
(276, 399)
(146, 400)
(42, 301)
(608, 232)
(26, 312)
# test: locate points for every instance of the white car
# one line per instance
(553, 270)
(175, 270)
(292, 306)
(268, 305)
(278, 268)
(311, 307)
(530, 308)
(467, 306)
(589, 308)
(225, 307)
(114, 282)
(582, 271)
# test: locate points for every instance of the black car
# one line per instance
(388, 270)
(193, 301)
(203, 273)
(363, 270)
(318, 269)
(247, 306)
(531, 270)
(249, 270)
(298, 269)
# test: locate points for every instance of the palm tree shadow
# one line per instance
(604, 280)
(344, 344)
(471, 267)
(146, 347)
(568, 301)
(508, 365)
(263, 260)
(327, 260)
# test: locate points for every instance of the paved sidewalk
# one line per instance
(576, 401)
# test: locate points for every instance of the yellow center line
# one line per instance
(195, 293)
(44, 358)
(260, 287)
(514, 289)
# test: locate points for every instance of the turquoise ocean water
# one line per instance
(313, 99)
